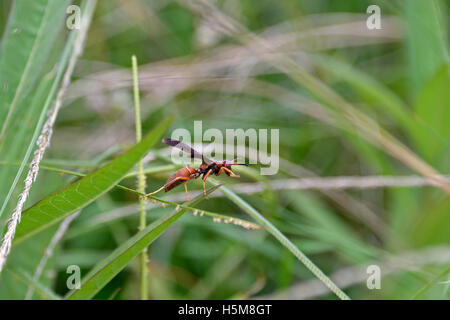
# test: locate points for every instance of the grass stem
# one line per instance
(284, 241)
(140, 179)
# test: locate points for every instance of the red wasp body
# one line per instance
(182, 175)
(206, 169)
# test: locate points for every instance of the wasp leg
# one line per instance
(185, 188)
(230, 173)
(220, 171)
(214, 180)
(152, 193)
(204, 182)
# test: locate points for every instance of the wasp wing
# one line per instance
(182, 146)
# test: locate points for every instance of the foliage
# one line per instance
(348, 101)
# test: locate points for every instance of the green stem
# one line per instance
(221, 217)
(140, 179)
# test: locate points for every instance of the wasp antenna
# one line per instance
(237, 164)
(170, 142)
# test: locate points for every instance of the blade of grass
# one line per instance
(148, 170)
(367, 86)
(74, 50)
(429, 284)
(433, 111)
(427, 40)
(19, 135)
(140, 178)
(100, 220)
(62, 203)
(49, 251)
(151, 170)
(392, 264)
(284, 241)
(61, 68)
(334, 230)
(28, 39)
(345, 111)
(43, 291)
(219, 217)
(105, 270)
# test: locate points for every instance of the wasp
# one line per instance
(205, 170)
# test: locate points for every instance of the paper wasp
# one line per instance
(206, 169)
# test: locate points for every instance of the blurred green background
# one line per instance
(398, 76)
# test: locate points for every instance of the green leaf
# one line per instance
(427, 40)
(26, 44)
(28, 39)
(433, 110)
(62, 203)
(28, 79)
(98, 277)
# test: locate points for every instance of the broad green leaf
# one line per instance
(427, 40)
(27, 41)
(62, 203)
(25, 85)
(433, 110)
(17, 138)
(98, 277)
(25, 46)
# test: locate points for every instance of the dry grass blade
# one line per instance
(358, 274)
(179, 75)
(49, 251)
(355, 208)
(369, 128)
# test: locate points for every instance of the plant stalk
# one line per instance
(140, 179)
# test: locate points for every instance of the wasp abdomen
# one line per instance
(178, 178)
